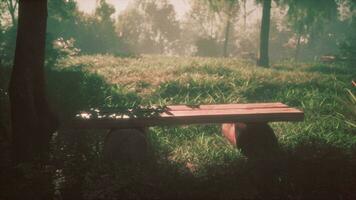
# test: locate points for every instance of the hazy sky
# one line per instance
(181, 6)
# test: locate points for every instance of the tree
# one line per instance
(149, 26)
(106, 38)
(202, 29)
(96, 33)
(32, 120)
(130, 28)
(244, 13)
(12, 8)
(207, 47)
(307, 18)
(8, 21)
(264, 34)
(62, 19)
(226, 9)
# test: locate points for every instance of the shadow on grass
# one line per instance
(72, 90)
(327, 175)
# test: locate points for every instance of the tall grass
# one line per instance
(318, 155)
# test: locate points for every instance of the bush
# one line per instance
(60, 49)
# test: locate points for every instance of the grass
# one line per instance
(193, 162)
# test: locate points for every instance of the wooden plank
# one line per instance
(218, 113)
(180, 117)
(227, 106)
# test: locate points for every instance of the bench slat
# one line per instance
(203, 115)
(228, 106)
(197, 113)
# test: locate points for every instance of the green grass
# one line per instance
(318, 155)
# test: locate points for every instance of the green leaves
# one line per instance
(304, 14)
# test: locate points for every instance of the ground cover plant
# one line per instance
(318, 155)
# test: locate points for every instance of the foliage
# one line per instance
(149, 27)
(210, 22)
(7, 45)
(96, 33)
(207, 47)
(7, 32)
(92, 33)
(153, 27)
(303, 15)
(307, 19)
(61, 48)
(200, 24)
(62, 19)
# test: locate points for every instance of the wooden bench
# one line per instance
(237, 120)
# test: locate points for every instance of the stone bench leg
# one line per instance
(258, 142)
(255, 139)
(126, 145)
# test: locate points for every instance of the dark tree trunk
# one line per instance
(31, 117)
(264, 37)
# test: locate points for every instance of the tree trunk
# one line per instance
(227, 30)
(264, 36)
(245, 14)
(227, 33)
(12, 6)
(31, 118)
(297, 48)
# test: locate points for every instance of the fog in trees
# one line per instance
(297, 30)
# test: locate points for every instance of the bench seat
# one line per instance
(203, 114)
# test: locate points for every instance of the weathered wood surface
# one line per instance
(203, 114)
